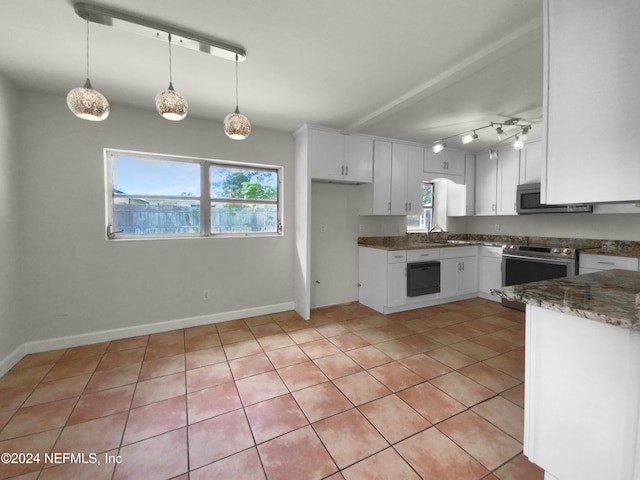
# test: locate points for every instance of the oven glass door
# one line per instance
(423, 278)
(517, 270)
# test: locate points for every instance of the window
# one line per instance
(422, 223)
(152, 196)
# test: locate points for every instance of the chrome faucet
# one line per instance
(435, 228)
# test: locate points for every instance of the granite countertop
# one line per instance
(420, 245)
(612, 296)
(631, 253)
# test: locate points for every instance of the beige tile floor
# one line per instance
(435, 393)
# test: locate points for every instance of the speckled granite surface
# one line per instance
(612, 296)
(620, 248)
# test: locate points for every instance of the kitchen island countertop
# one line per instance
(611, 296)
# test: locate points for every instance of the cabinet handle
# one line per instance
(389, 207)
(398, 256)
(342, 170)
(347, 170)
(493, 207)
(409, 206)
(606, 263)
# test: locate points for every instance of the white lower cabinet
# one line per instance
(489, 271)
(458, 276)
(589, 263)
(383, 276)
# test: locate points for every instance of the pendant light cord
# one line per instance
(236, 80)
(170, 74)
(87, 46)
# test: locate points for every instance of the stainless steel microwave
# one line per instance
(528, 201)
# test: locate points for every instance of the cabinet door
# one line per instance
(531, 163)
(589, 102)
(490, 274)
(381, 191)
(467, 275)
(399, 173)
(358, 158)
(414, 180)
(449, 277)
(327, 154)
(449, 162)
(485, 185)
(507, 181)
(396, 284)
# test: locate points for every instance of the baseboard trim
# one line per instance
(133, 331)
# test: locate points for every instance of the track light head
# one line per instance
(469, 138)
(438, 147)
(518, 144)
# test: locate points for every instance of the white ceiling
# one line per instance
(417, 70)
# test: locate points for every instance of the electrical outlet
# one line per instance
(206, 295)
(323, 228)
(496, 227)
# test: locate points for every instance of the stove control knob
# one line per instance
(556, 250)
(567, 251)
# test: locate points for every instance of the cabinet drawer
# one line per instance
(491, 252)
(424, 255)
(457, 252)
(396, 256)
(607, 262)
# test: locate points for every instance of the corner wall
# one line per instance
(12, 333)
(76, 283)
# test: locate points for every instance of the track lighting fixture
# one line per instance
(85, 102)
(470, 135)
(438, 147)
(169, 103)
(518, 144)
(469, 138)
(236, 125)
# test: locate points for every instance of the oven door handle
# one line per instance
(558, 261)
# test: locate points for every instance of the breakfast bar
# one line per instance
(582, 374)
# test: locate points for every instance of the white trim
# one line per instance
(136, 330)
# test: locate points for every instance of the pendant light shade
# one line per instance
(85, 102)
(236, 125)
(169, 103)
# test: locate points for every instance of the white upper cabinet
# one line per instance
(447, 162)
(507, 181)
(590, 98)
(461, 195)
(335, 157)
(496, 183)
(486, 178)
(406, 179)
(531, 162)
(397, 181)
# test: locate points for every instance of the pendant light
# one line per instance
(236, 125)
(85, 102)
(169, 103)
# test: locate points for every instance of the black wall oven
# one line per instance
(423, 278)
(525, 264)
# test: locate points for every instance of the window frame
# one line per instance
(205, 199)
(431, 207)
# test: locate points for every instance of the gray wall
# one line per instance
(12, 332)
(71, 281)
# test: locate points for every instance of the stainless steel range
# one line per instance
(528, 263)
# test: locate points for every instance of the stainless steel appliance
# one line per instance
(527, 263)
(528, 201)
(423, 278)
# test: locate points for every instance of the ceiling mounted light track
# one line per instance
(152, 29)
(470, 135)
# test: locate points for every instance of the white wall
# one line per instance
(12, 332)
(75, 282)
(335, 228)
